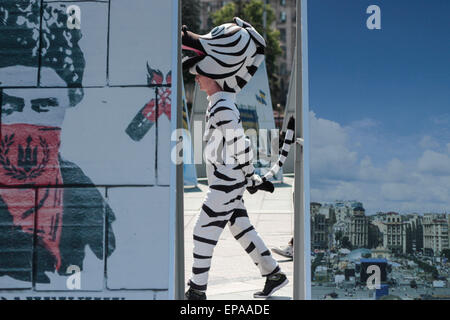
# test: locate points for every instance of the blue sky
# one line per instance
(387, 91)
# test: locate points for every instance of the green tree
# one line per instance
(253, 11)
(191, 14)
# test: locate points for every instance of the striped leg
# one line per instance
(207, 231)
(244, 232)
(220, 203)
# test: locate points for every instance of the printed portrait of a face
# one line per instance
(34, 200)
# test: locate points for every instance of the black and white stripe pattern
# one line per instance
(230, 54)
(226, 141)
(288, 141)
(231, 146)
(219, 210)
(286, 147)
(228, 171)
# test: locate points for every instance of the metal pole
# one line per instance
(179, 229)
(299, 212)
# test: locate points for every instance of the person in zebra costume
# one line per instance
(224, 61)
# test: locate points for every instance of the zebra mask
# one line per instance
(230, 54)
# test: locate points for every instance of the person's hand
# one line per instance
(265, 186)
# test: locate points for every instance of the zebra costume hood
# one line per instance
(230, 54)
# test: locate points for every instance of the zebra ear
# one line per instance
(241, 23)
(253, 33)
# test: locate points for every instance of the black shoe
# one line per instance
(273, 283)
(193, 294)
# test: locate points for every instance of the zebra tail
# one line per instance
(288, 140)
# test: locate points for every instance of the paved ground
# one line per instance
(233, 275)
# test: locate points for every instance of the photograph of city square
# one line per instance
(412, 251)
(380, 150)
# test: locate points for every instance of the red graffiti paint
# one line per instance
(29, 157)
(155, 77)
(164, 106)
(164, 102)
(147, 115)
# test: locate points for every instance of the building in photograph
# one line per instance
(322, 220)
(318, 227)
(328, 211)
(435, 233)
(338, 230)
(413, 233)
(341, 210)
(375, 234)
(358, 230)
(379, 216)
(207, 8)
(348, 224)
(286, 24)
(394, 237)
(448, 224)
(352, 214)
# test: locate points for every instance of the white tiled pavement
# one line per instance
(233, 275)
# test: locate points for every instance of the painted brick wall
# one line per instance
(85, 148)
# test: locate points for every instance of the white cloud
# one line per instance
(427, 142)
(434, 163)
(442, 119)
(330, 154)
(418, 184)
(364, 123)
(399, 192)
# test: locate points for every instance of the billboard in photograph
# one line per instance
(85, 190)
(189, 170)
(380, 149)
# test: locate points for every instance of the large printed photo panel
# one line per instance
(380, 149)
(86, 115)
